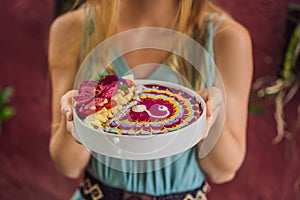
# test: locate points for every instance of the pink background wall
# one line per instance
(26, 171)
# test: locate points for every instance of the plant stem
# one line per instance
(288, 64)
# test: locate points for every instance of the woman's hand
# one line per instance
(213, 99)
(69, 156)
(67, 111)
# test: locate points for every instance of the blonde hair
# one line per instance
(102, 16)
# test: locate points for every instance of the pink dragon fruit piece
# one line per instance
(82, 113)
(84, 98)
(87, 87)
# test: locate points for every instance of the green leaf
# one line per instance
(100, 77)
(5, 95)
(288, 64)
(123, 87)
(6, 113)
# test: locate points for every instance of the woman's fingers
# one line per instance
(208, 107)
(66, 110)
(207, 99)
(217, 101)
(70, 128)
(66, 105)
(208, 125)
(213, 99)
(217, 97)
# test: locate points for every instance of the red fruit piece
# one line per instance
(98, 91)
(110, 104)
(109, 86)
(111, 91)
(99, 108)
(108, 81)
(126, 92)
(129, 83)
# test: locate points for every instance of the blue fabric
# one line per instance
(181, 175)
(162, 72)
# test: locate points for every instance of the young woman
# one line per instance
(74, 34)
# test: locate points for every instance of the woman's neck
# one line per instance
(143, 13)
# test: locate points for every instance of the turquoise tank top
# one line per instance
(183, 174)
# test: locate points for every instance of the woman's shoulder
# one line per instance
(233, 46)
(65, 38)
(231, 33)
(70, 21)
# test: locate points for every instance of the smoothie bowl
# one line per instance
(137, 119)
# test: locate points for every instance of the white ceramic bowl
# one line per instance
(144, 147)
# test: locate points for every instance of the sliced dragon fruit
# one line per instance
(87, 87)
(84, 98)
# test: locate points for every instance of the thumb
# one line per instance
(67, 111)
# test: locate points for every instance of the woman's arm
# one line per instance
(233, 55)
(65, 36)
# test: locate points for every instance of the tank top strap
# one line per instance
(219, 23)
(210, 71)
(88, 29)
(211, 29)
(119, 65)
